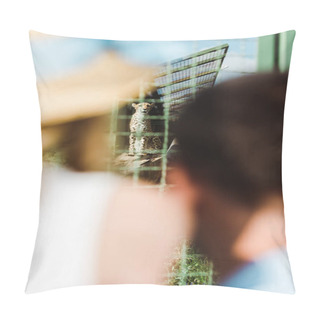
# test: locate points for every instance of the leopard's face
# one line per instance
(143, 108)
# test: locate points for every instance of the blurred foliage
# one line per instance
(191, 268)
(53, 157)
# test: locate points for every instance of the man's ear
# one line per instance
(134, 105)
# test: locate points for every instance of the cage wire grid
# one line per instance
(175, 83)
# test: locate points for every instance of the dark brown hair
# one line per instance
(230, 137)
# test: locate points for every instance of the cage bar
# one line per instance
(176, 82)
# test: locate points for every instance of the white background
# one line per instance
(20, 149)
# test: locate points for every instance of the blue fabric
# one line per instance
(270, 272)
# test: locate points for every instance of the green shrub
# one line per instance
(191, 268)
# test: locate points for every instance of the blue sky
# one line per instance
(55, 56)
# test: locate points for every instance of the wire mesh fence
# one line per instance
(135, 128)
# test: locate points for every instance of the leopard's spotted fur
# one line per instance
(139, 124)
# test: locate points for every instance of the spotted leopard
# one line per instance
(139, 125)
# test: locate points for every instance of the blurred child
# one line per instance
(95, 227)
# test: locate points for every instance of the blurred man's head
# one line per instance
(229, 163)
(231, 138)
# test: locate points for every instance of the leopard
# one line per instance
(140, 124)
